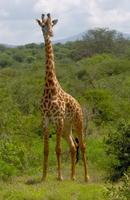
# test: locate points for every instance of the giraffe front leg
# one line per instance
(46, 153)
(58, 149)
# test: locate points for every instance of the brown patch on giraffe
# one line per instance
(49, 95)
(49, 50)
(50, 57)
(50, 74)
(49, 63)
(68, 105)
(47, 69)
(46, 85)
(53, 91)
(46, 97)
(51, 82)
(46, 91)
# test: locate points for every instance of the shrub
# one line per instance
(5, 60)
(120, 192)
(118, 150)
(102, 104)
(12, 157)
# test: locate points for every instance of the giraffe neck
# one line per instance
(50, 63)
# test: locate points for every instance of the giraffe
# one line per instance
(59, 109)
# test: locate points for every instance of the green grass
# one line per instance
(51, 190)
(17, 189)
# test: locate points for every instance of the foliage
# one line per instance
(12, 157)
(118, 149)
(5, 60)
(121, 191)
(103, 107)
(98, 41)
(103, 40)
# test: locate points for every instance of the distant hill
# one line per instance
(9, 45)
(69, 39)
(79, 37)
(64, 40)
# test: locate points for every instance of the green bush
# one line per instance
(12, 157)
(5, 60)
(120, 192)
(103, 105)
(7, 170)
(118, 150)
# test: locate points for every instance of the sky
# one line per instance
(18, 25)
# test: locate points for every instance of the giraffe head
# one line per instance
(47, 25)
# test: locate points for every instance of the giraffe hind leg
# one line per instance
(77, 149)
(69, 138)
(83, 152)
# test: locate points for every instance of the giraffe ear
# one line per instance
(39, 22)
(54, 22)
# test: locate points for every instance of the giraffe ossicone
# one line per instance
(59, 109)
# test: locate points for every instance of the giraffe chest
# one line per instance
(53, 108)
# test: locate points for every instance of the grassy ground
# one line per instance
(18, 189)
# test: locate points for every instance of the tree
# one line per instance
(103, 40)
(97, 41)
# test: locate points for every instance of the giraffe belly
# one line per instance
(68, 116)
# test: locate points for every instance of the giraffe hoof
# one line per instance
(87, 179)
(60, 178)
(73, 178)
(43, 179)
